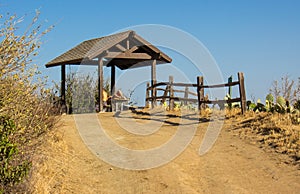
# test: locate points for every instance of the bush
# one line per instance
(12, 170)
(25, 110)
(81, 92)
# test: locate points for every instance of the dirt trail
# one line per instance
(231, 166)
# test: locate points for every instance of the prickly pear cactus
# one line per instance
(270, 98)
(269, 106)
(270, 103)
(279, 108)
(280, 105)
(281, 101)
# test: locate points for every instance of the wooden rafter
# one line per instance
(131, 50)
(120, 55)
(120, 47)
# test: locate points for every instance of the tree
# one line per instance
(81, 92)
(287, 88)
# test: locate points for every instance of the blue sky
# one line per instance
(260, 37)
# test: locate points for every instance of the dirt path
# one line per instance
(231, 166)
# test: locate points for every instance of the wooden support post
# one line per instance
(100, 83)
(200, 91)
(113, 80)
(147, 105)
(112, 86)
(171, 101)
(153, 81)
(186, 95)
(63, 88)
(242, 91)
(167, 90)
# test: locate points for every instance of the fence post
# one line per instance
(171, 101)
(230, 91)
(147, 104)
(186, 94)
(242, 91)
(165, 94)
(153, 96)
(200, 91)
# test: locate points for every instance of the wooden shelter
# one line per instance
(123, 50)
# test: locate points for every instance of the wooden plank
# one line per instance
(177, 84)
(120, 55)
(221, 85)
(100, 83)
(184, 85)
(121, 48)
(242, 91)
(159, 84)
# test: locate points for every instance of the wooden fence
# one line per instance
(190, 96)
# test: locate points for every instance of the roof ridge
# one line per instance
(123, 32)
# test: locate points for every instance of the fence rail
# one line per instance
(190, 96)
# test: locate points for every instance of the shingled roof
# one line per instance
(89, 50)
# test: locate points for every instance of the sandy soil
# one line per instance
(233, 165)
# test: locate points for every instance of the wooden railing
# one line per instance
(190, 96)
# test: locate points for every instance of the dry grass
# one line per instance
(54, 140)
(275, 131)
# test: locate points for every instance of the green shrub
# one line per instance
(12, 170)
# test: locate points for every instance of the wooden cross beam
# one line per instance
(131, 50)
(120, 55)
(119, 46)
